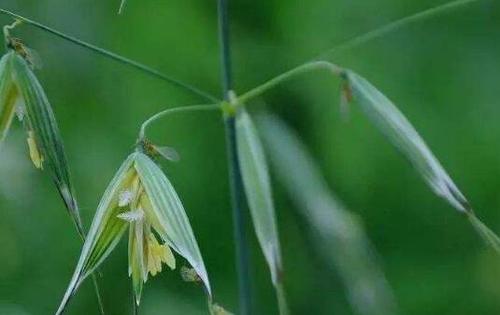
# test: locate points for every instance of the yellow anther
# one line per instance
(35, 155)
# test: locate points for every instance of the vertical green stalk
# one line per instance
(235, 181)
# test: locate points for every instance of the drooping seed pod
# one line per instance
(397, 129)
(141, 198)
(21, 93)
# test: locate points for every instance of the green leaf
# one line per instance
(105, 232)
(339, 235)
(257, 186)
(44, 132)
(394, 125)
(169, 217)
(8, 95)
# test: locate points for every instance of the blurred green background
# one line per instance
(442, 73)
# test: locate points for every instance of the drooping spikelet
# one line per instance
(142, 199)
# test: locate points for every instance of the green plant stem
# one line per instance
(239, 220)
(123, 60)
(317, 64)
(225, 48)
(302, 69)
(388, 28)
(97, 290)
(175, 110)
(235, 180)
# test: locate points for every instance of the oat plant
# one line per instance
(140, 200)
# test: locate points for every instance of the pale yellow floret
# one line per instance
(158, 254)
(35, 155)
(141, 214)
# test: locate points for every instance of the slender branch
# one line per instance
(170, 111)
(235, 180)
(146, 69)
(100, 303)
(225, 49)
(302, 69)
(391, 27)
(353, 43)
(239, 220)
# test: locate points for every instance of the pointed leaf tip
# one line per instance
(489, 237)
(394, 125)
(45, 141)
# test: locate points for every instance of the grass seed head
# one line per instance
(141, 199)
(21, 94)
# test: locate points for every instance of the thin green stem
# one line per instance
(81, 232)
(123, 60)
(225, 49)
(97, 290)
(396, 25)
(353, 43)
(175, 110)
(302, 69)
(235, 180)
(239, 220)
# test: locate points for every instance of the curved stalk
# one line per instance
(170, 111)
(393, 26)
(302, 69)
(318, 64)
(123, 60)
